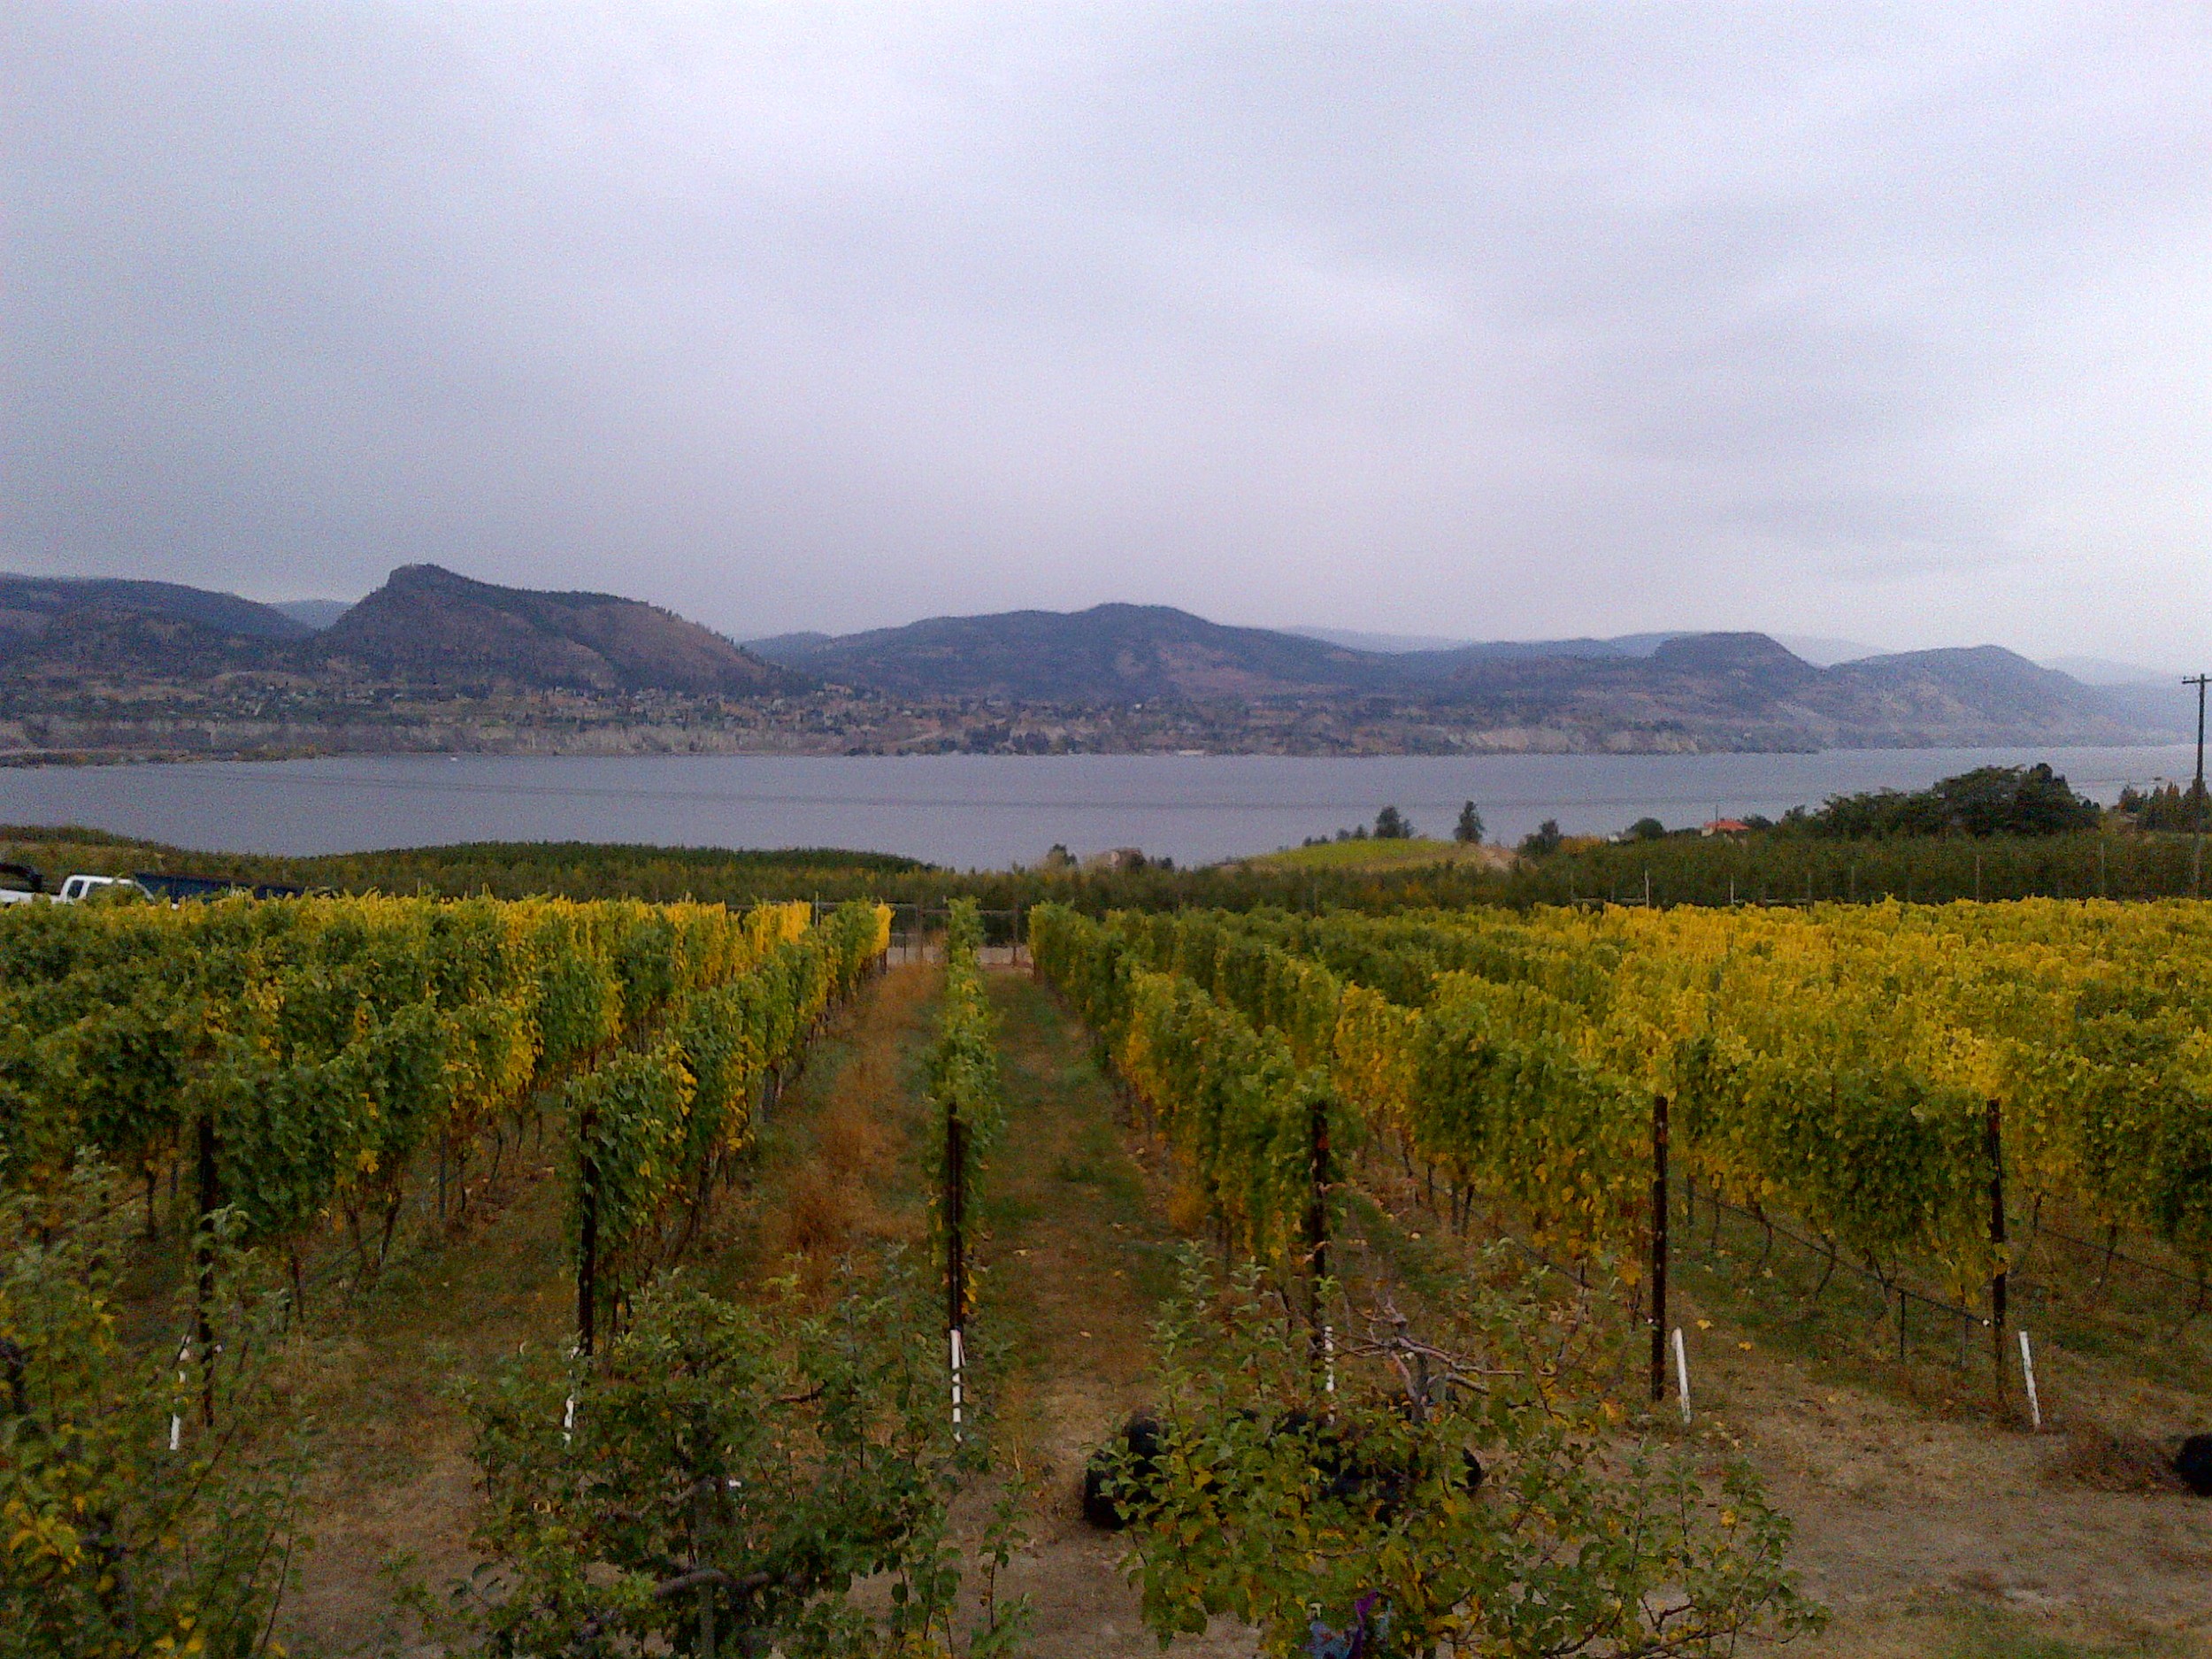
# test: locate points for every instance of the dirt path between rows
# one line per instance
(1914, 1527)
(391, 1490)
(1077, 1254)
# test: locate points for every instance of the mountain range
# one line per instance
(1701, 690)
(432, 659)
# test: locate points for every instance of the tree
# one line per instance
(1988, 801)
(2168, 807)
(1647, 829)
(1391, 825)
(1468, 831)
(1543, 840)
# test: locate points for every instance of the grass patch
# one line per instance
(1070, 1228)
(1992, 1633)
(1370, 854)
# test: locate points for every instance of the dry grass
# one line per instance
(847, 1140)
(2098, 1460)
(828, 1208)
(1186, 1207)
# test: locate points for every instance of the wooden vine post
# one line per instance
(702, 1495)
(956, 1262)
(587, 1236)
(210, 1198)
(1994, 1144)
(1317, 1176)
(1658, 1248)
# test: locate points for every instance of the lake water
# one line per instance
(969, 811)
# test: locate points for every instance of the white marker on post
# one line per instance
(176, 1419)
(2027, 1373)
(958, 1365)
(1682, 1372)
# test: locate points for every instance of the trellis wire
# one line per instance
(1966, 1319)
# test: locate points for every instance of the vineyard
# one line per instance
(740, 1428)
(1884, 1078)
(302, 1066)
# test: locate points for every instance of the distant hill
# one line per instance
(428, 624)
(100, 642)
(29, 603)
(1109, 654)
(2103, 670)
(2168, 711)
(1418, 645)
(1821, 651)
(1352, 639)
(1699, 690)
(317, 614)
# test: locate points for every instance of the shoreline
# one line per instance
(74, 760)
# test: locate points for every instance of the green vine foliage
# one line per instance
(729, 1474)
(1836, 1065)
(328, 1043)
(653, 1126)
(114, 1546)
(963, 1067)
(320, 1047)
(1347, 1522)
(1230, 1095)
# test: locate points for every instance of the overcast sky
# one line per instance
(1484, 321)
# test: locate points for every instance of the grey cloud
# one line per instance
(1493, 319)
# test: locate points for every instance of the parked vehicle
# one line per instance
(175, 888)
(78, 888)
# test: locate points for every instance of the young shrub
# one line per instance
(719, 1481)
(1444, 1497)
(135, 1524)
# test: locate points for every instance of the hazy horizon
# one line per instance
(1494, 322)
(1821, 649)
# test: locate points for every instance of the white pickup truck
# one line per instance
(72, 888)
(77, 887)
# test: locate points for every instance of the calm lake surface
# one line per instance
(969, 811)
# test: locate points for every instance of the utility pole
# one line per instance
(2196, 793)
